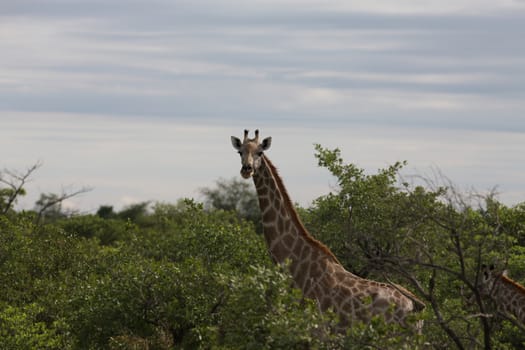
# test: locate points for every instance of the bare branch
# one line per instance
(54, 200)
(480, 315)
(437, 312)
(16, 182)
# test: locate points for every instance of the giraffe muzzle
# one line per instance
(246, 171)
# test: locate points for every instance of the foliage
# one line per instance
(13, 183)
(432, 239)
(274, 315)
(20, 328)
(192, 275)
(234, 195)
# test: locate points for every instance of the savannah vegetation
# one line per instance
(196, 275)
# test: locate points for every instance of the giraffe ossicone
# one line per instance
(314, 268)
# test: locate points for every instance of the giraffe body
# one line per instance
(314, 268)
(508, 295)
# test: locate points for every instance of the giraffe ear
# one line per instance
(266, 143)
(236, 143)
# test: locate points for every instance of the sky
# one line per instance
(138, 99)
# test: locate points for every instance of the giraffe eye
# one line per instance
(240, 153)
(259, 154)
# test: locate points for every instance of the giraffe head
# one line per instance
(251, 151)
(486, 282)
(489, 276)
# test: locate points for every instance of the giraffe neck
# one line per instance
(510, 296)
(314, 268)
(284, 232)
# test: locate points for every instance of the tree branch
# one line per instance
(59, 199)
(16, 182)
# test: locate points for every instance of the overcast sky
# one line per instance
(138, 99)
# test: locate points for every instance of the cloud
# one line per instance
(406, 53)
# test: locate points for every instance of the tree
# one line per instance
(188, 276)
(49, 206)
(21, 329)
(134, 212)
(15, 182)
(235, 195)
(106, 212)
(432, 239)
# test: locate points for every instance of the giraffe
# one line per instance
(314, 268)
(507, 294)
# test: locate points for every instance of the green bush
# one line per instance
(179, 276)
(21, 328)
